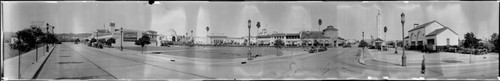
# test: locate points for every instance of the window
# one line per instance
(447, 41)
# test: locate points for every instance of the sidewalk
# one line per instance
(441, 59)
(29, 64)
(66, 63)
(439, 65)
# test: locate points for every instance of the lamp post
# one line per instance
(47, 46)
(403, 36)
(363, 46)
(192, 39)
(121, 39)
(248, 41)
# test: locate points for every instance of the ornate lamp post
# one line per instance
(248, 41)
(47, 46)
(403, 35)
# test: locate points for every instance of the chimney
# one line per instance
(415, 25)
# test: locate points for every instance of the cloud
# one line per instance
(407, 7)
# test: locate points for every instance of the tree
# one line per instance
(385, 32)
(363, 44)
(494, 40)
(76, 41)
(470, 40)
(258, 26)
(93, 40)
(50, 39)
(28, 39)
(278, 44)
(110, 41)
(319, 23)
(144, 40)
(315, 43)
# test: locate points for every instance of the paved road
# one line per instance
(81, 62)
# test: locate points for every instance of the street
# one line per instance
(71, 61)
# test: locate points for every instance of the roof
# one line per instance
(330, 28)
(340, 38)
(438, 31)
(278, 34)
(425, 25)
(312, 34)
(379, 39)
(217, 36)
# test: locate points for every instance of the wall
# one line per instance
(441, 38)
(432, 27)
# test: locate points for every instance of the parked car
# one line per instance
(312, 50)
(347, 45)
(322, 48)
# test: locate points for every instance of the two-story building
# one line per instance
(432, 34)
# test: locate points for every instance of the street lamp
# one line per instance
(403, 38)
(248, 41)
(363, 46)
(121, 39)
(47, 46)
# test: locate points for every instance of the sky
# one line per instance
(231, 18)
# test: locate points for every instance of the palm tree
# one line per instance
(319, 23)
(192, 38)
(207, 32)
(258, 26)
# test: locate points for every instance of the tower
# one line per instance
(379, 33)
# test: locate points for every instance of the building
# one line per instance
(327, 37)
(432, 34)
(333, 33)
(290, 39)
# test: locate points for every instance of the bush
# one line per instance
(110, 41)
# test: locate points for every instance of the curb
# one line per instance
(419, 66)
(32, 72)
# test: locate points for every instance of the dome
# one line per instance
(330, 28)
(171, 32)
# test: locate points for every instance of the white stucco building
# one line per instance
(432, 33)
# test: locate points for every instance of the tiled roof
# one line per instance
(438, 31)
(330, 28)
